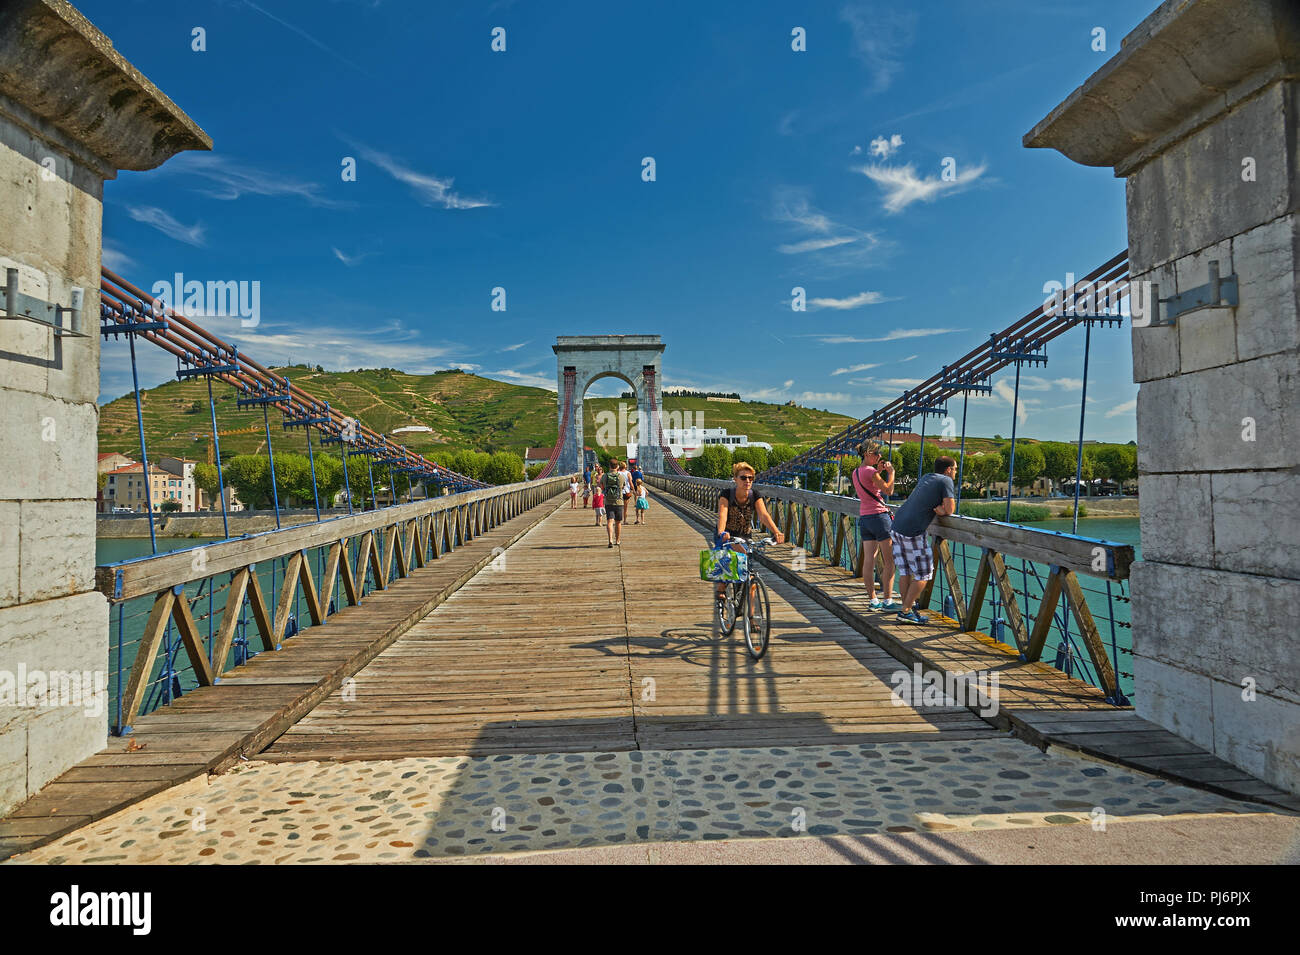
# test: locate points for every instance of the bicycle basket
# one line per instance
(723, 564)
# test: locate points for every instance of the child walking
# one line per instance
(598, 503)
(642, 502)
(573, 493)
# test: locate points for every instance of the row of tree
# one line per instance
(250, 476)
(1055, 460)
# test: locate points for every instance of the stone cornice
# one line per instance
(63, 71)
(1185, 64)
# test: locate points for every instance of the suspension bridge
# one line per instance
(471, 670)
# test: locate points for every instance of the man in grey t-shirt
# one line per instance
(935, 496)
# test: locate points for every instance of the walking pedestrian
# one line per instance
(642, 502)
(935, 496)
(627, 486)
(613, 486)
(573, 493)
(598, 503)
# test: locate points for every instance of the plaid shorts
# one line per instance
(912, 556)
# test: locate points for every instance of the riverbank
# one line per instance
(204, 524)
(1109, 507)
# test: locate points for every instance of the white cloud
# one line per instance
(432, 190)
(522, 378)
(902, 186)
(823, 397)
(350, 260)
(1125, 408)
(884, 148)
(895, 335)
(880, 35)
(853, 301)
(901, 383)
(516, 347)
(815, 245)
(1034, 383)
(855, 368)
(230, 180)
(1069, 384)
(789, 383)
(1008, 394)
(164, 223)
(115, 260)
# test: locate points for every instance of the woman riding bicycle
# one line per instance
(737, 507)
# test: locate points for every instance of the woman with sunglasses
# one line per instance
(737, 507)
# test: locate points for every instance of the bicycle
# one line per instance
(747, 600)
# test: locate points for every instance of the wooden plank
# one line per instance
(261, 613)
(315, 607)
(229, 621)
(330, 577)
(1088, 631)
(284, 601)
(191, 639)
(351, 590)
(977, 591)
(1046, 612)
(1010, 607)
(944, 563)
(146, 651)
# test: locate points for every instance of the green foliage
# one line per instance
(1020, 513)
(780, 454)
(250, 476)
(534, 470)
(1116, 461)
(983, 469)
(169, 506)
(1069, 511)
(504, 468)
(1059, 460)
(757, 458)
(713, 462)
(205, 477)
(1029, 463)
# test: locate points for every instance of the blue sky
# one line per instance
(522, 170)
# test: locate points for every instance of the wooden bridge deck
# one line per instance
(1036, 701)
(574, 647)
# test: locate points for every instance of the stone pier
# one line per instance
(1199, 113)
(72, 113)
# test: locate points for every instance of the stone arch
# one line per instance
(635, 359)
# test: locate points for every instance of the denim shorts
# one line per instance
(875, 527)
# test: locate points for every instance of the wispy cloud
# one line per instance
(902, 186)
(820, 233)
(852, 369)
(1008, 394)
(899, 382)
(306, 36)
(516, 347)
(853, 301)
(432, 190)
(788, 383)
(350, 260)
(1125, 408)
(228, 179)
(166, 224)
(880, 36)
(895, 335)
(523, 378)
(115, 259)
(1070, 384)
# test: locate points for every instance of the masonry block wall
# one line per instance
(601, 356)
(1199, 113)
(60, 138)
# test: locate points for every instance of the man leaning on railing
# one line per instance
(935, 496)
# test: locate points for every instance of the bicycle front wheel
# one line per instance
(757, 618)
(730, 600)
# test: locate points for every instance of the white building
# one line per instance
(690, 442)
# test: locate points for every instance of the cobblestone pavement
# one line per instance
(455, 807)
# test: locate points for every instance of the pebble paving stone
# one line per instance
(430, 808)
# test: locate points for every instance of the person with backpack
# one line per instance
(874, 481)
(613, 485)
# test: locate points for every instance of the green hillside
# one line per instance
(465, 412)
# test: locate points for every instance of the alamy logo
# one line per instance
(195, 299)
(938, 688)
(75, 907)
(86, 689)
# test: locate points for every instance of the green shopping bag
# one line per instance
(723, 564)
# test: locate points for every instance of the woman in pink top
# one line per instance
(873, 480)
